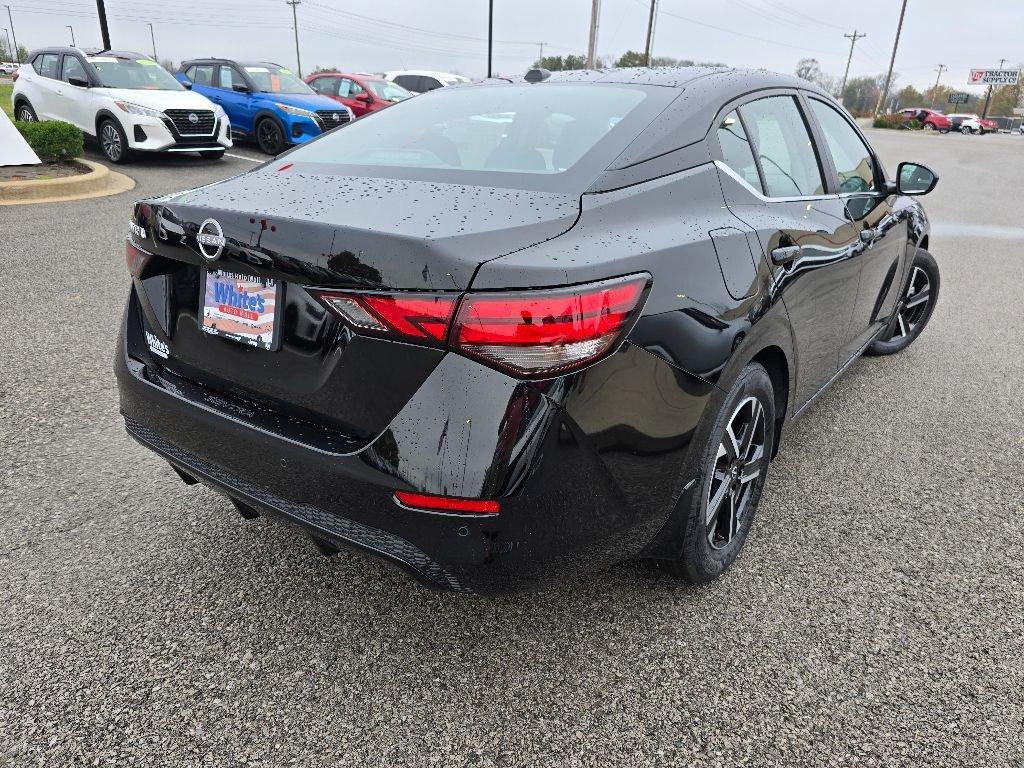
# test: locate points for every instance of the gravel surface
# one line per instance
(874, 618)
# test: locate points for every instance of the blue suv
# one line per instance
(265, 102)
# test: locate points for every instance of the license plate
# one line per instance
(241, 308)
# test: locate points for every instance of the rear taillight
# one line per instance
(451, 505)
(528, 334)
(136, 258)
(546, 332)
(418, 317)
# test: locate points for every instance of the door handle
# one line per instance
(785, 254)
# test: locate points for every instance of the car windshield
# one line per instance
(135, 74)
(500, 129)
(386, 90)
(273, 79)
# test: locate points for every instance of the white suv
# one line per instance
(126, 100)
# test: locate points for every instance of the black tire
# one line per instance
(23, 111)
(270, 136)
(212, 154)
(966, 130)
(714, 534)
(113, 141)
(914, 309)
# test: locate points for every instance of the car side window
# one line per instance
(853, 160)
(229, 77)
(326, 86)
(202, 74)
(737, 152)
(48, 64)
(73, 69)
(428, 84)
(783, 146)
(354, 88)
(409, 82)
(345, 87)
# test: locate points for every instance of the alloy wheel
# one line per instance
(738, 463)
(111, 141)
(915, 305)
(25, 114)
(269, 136)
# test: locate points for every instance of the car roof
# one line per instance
(85, 53)
(421, 73)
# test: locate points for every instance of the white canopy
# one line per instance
(14, 150)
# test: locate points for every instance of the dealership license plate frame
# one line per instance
(255, 280)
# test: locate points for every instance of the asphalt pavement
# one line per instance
(874, 618)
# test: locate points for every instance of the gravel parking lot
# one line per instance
(875, 617)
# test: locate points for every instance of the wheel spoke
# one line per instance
(715, 504)
(753, 466)
(731, 445)
(751, 429)
(918, 298)
(903, 326)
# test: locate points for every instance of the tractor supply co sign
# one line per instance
(994, 77)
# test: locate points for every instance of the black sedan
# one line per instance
(498, 334)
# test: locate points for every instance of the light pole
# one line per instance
(888, 78)
(72, 34)
(490, 36)
(988, 96)
(7, 37)
(651, 19)
(295, 20)
(595, 15)
(935, 88)
(101, 10)
(152, 39)
(853, 41)
(14, 36)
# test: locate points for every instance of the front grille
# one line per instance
(331, 118)
(185, 126)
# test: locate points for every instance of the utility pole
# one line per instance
(152, 39)
(101, 9)
(892, 62)
(648, 49)
(988, 96)
(7, 37)
(853, 41)
(541, 57)
(14, 37)
(295, 21)
(490, 36)
(72, 34)
(595, 13)
(935, 88)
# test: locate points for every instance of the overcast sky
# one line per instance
(449, 35)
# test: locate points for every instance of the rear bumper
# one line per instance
(581, 487)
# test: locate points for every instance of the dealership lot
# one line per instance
(875, 620)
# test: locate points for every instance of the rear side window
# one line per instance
(325, 86)
(202, 74)
(409, 82)
(428, 84)
(784, 147)
(47, 64)
(852, 159)
(736, 149)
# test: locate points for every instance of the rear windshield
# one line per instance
(271, 79)
(136, 74)
(539, 132)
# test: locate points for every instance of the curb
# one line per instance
(99, 182)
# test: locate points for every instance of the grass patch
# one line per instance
(5, 99)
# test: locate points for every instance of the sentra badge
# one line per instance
(211, 240)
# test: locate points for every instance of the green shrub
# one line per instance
(884, 121)
(52, 140)
(914, 125)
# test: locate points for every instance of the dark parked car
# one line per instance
(503, 333)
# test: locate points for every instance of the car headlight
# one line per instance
(288, 108)
(138, 109)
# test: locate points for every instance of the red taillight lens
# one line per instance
(529, 334)
(547, 332)
(428, 502)
(413, 316)
(135, 258)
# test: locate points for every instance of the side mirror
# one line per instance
(188, 85)
(239, 88)
(914, 179)
(78, 82)
(364, 96)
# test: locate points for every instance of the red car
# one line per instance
(930, 119)
(360, 93)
